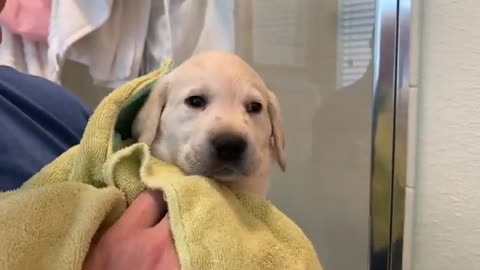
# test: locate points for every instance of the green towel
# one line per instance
(49, 222)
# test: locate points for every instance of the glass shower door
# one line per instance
(318, 57)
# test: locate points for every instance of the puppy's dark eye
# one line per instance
(196, 102)
(253, 107)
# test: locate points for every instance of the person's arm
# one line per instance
(40, 120)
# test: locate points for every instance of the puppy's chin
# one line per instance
(255, 180)
(222, 174)
(227, 178)
(226, 175)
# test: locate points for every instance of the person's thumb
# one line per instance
(144, 212)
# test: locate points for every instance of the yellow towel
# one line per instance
(49, 222)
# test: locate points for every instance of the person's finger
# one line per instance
(144, 212)
(167, 257)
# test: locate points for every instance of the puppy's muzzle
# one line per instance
(229, 147)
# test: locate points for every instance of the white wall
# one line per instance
(446, 231)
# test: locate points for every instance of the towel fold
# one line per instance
(50, 221)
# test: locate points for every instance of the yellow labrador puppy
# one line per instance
(214, 116)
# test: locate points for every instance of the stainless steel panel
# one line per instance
(402, 93)
(383, 132)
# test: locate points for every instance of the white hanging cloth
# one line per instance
(23, 54)
(180, 28)
(108, 36)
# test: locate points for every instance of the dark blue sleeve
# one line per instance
(39, 120)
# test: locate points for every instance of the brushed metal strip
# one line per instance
(383, 128)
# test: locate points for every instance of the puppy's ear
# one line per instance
(147, 122)
(278, 134)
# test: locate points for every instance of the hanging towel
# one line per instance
(50, 221)
(27, 18)
(23, 54)
(108, 36)
(179, 29)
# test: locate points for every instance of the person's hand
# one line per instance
(140, 239)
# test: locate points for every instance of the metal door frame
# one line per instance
(389, 130)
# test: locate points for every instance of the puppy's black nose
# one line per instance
(229, 147)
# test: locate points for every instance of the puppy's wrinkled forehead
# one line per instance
(223, 69)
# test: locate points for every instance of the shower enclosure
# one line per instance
(339, 68)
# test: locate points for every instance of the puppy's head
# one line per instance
(214, 116)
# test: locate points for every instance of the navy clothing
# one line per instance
(39, 120)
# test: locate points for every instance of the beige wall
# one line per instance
(446, 228)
